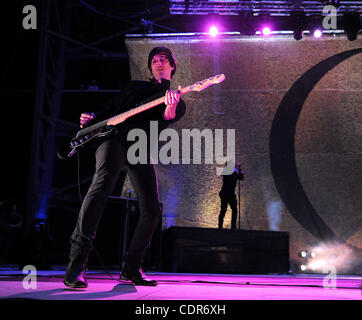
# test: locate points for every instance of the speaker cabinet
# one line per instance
(207, 250)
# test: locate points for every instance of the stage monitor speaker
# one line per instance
(113, 231)
(207, 250)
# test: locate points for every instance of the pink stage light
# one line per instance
(213, 31)
(266, 31)
(317, 33)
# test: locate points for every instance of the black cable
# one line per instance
(78, 178)
(104, 268)
(115, 14)
(108, 15)
(111, 15)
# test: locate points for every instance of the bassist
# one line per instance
(111, 157)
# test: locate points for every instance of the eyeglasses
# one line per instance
(162, 60)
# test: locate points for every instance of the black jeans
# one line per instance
(111, 156)
(225, 201)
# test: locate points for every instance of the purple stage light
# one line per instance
(317, 33)
(266, 31)
(213, 31)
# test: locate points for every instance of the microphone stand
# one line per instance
(239, 196)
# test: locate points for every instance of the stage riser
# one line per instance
(207, 250)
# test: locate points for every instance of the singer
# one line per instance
(228, 197)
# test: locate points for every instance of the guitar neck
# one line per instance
(198, 86)
(125, 115)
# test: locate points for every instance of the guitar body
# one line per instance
(104, 129)
(70, 146)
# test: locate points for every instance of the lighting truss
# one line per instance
(235, 7)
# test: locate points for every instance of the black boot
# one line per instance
(137, 277)
(75, 276)
(132, 271)
(81, 246)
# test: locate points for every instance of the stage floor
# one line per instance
(181, 286)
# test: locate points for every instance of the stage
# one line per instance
(266, 91)
(104, 285)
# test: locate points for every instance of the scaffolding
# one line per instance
(57, 47)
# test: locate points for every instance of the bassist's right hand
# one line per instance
(85, 118)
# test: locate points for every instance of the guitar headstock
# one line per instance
(203, 84)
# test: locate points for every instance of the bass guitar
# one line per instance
(107, 127)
